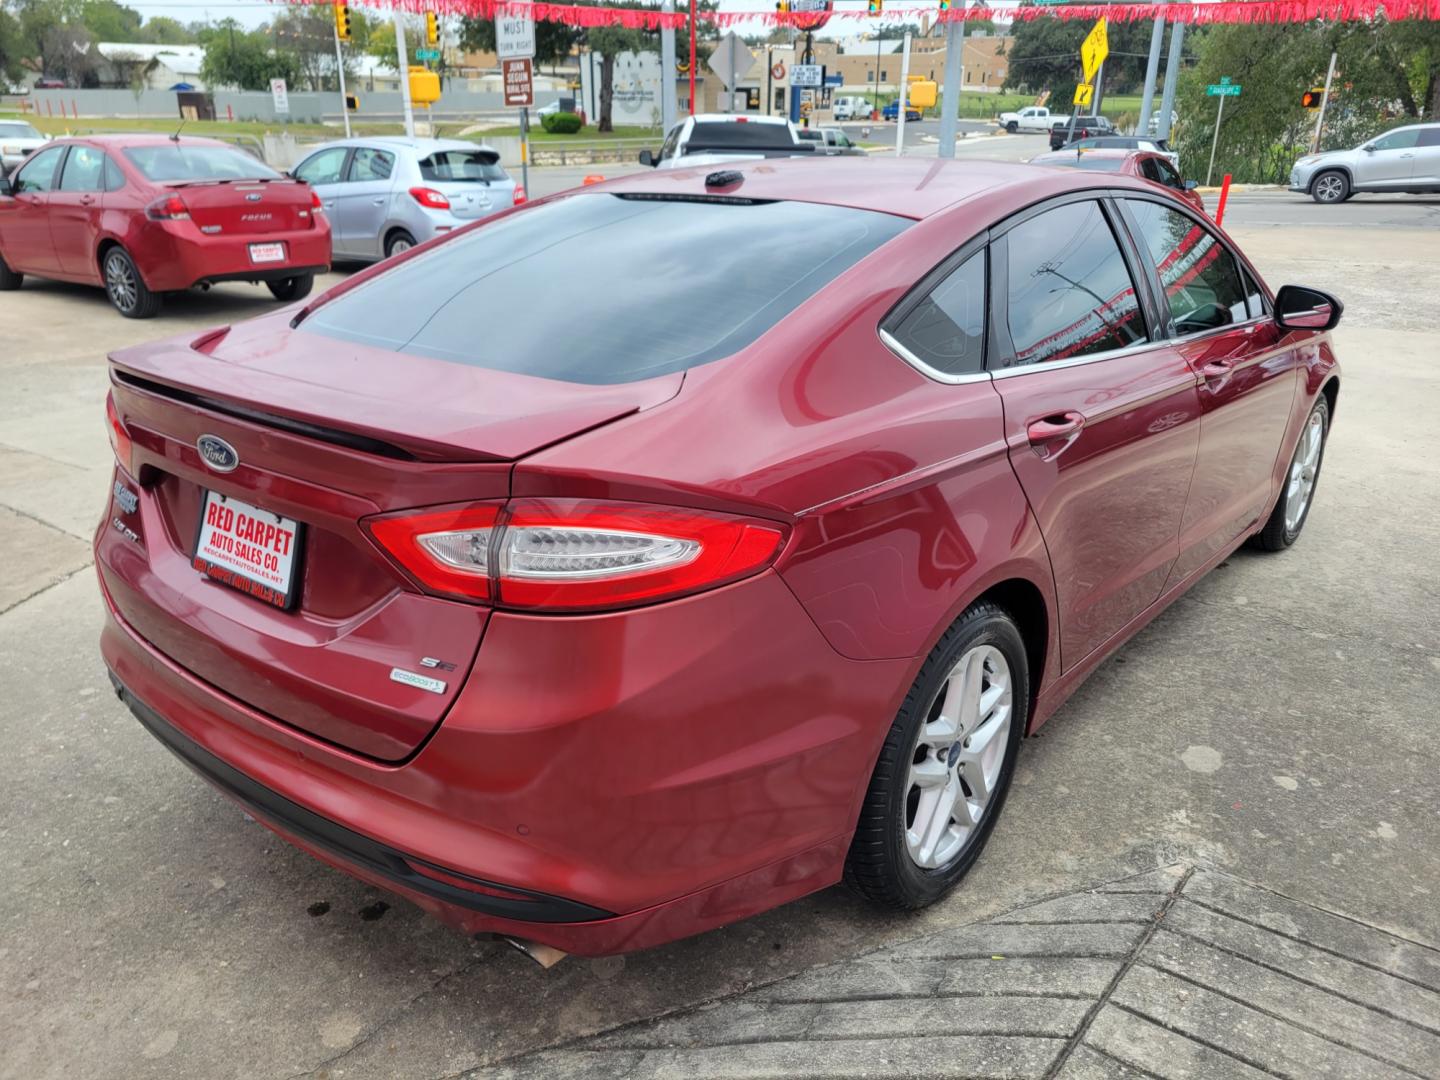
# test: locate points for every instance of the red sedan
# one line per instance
(747, 574)
(144, 215)
(1145, 164)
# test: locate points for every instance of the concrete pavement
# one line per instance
(1276, 725)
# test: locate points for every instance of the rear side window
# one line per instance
(114, 178)
(1201, 279)
(639, 286)
(448, 166)
(1070, 293)
(946, 330)
(370, 164)
(181, 161)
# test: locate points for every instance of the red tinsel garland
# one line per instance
(1225, 11)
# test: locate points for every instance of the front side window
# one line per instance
(369, 164)
(1397, 140)
(1070, 293)
(38, 174)
(946, 330)
(324, 168)
(84, 170)
(627, 269)
(1201, 280)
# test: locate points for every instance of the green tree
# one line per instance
(110, 21)
(163, 30)
(1044, 54)
(554, 41)
(236, 57)
(610, 42)
(12, 49)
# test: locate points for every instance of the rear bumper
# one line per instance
(179, 256)
(683, 766)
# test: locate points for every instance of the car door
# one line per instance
(25, 222)
(1101, 416)
(363, 201)
(75, 208)
(324, 171)
(1247, 373)
(1427, 158)
(1387, 162)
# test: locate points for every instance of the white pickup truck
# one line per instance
(1031, 118)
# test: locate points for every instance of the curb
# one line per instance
(1238, 189)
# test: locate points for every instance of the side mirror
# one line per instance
(1191, 185)
(1299, 308)
(647, 158)
(1369, 148)
(5, 188)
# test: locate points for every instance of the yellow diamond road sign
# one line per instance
(1084, 93)
(1094, 50)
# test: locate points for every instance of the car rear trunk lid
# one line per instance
(248, 207)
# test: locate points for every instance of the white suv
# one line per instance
(1406, 159)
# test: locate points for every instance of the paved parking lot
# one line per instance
(1272, 732)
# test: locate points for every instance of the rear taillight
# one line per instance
(520, 195)
(119, 437)
(570, 555)
(168, 208)
(315, 204)
(429, 197)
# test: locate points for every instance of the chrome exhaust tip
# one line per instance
(546, 956)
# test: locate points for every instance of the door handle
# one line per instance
(86, 200)
(377, 202)
(1056, 426)
(1217, 369)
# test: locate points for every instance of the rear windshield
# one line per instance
(603, 288)
(735, 135)
(18, 131)
(1090, 163)
(177, 161)
(447, 166)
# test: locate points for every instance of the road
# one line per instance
(1275, 724)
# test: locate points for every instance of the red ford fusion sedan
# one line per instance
(744, 573)
(1147, 165)
(143, 215)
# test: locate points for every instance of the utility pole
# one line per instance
(1152, 69)
(404, 75)
(954, 77)
(904, 97)
(879, 37)
(1324, 101)
(1172, 74)
(340, 70)
(1219, 115)
(1099, 93)
(667, 70)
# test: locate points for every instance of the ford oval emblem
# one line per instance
(218, 454)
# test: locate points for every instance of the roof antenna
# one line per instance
(175, 138)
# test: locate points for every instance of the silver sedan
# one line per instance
(386, 194)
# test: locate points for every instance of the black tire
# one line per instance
(291, 288)
(1277, 535)
(1012, 127)
(879, 867)
(125, 287)
(398, 240)
(1330, 187)
(9, 279)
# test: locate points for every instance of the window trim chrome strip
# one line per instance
(935, 374)
(1076, 361)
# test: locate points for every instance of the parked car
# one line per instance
(716, 138)
(747, 574)
(18, 140)
(1126, 142)
(1404, 159)
(385, 194)
(49, 83)
(831, 141)
(1030, 118)
(1153, 167)
(1079, 127)
(851, 107)
(143, 215)
(892, 112)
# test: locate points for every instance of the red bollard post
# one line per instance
(1224, 194)
(74, 109)
(229, 114)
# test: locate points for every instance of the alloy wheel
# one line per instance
(120, 281)
(399, 244)
(958, 758)
(1303, 470)
(1329, 188)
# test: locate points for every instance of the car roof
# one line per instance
(733, 118)
(909, 187)
(121, 140)
(402, 142)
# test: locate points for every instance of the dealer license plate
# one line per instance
(247, 548)
(267, 253)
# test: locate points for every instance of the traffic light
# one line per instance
(944, 5)
(432, 29)
(352, 102)
(1311, 98)
(782, 6)
(342, 21)
(874, 8)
